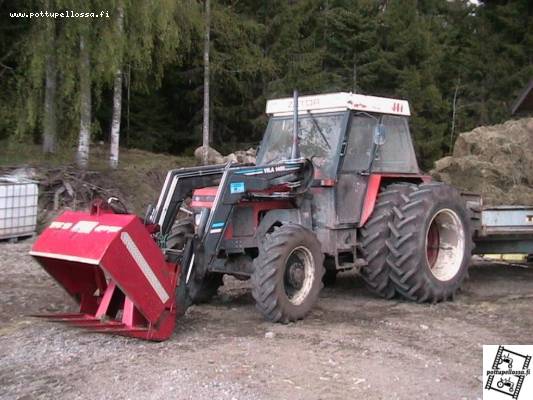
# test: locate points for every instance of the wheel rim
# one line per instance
(299, 275)
(445, 244)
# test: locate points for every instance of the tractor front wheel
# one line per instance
(197, 289)
(288, 272)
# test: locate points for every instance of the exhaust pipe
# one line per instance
(295, 151)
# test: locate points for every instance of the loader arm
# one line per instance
(180, 183)
(235, 183)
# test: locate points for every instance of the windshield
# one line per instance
(319, 139)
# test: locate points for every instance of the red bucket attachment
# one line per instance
(112, 267)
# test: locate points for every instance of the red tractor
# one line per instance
(336, 186)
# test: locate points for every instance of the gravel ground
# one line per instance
(353, 345)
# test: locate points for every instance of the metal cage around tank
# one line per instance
(18, 207)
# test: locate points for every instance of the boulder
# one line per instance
(238, 157)
(213, 156)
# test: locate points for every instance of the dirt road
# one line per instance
(353, 345)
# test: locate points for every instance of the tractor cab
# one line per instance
(371, 133)
(354, 142)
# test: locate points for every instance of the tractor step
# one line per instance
(110, 264)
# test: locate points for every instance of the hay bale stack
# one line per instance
(494, 161)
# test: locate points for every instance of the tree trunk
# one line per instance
(117, 101)
(205, 128)
(115, 122)
(50, 120)
(85, 104)
(454, 110)
(354, 75)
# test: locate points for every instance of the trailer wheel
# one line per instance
(288, 272)
(431, 244)
(374, 235)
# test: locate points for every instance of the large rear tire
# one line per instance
(374, 236)
(288, 272)
(431, 244)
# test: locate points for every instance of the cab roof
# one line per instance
(337, 102)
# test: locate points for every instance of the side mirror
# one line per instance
(379, 134)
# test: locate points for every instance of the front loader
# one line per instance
(336, 186)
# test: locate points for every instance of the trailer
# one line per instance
(505, 230)
(501, 229)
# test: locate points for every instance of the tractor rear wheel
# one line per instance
(374, 235)
(288, 272)
(431, 243)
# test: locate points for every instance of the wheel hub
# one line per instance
(445, 244)
(299, 275)
(296, 275)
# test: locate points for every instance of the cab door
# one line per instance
(353, 177)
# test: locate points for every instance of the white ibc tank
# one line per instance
(18, 207)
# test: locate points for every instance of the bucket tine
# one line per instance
(73, 320)
(56, 316)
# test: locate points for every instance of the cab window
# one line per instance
(396, 154)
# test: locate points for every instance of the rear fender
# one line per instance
(372, 189)
(375, 181)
